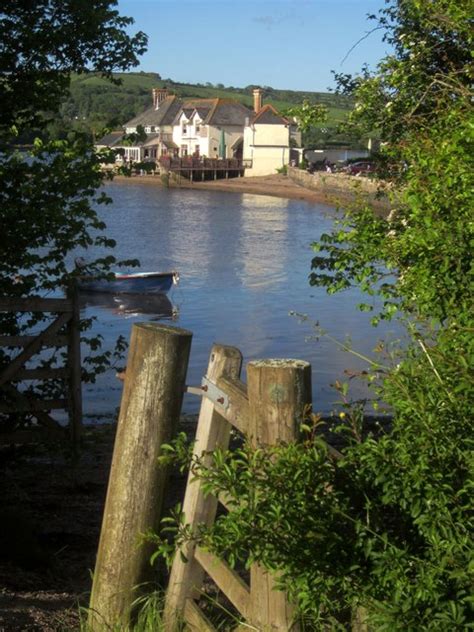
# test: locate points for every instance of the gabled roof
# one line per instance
(164, 115)
(215, 111)
(228, 112)
(269, 116)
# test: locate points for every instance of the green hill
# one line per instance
(95, 103)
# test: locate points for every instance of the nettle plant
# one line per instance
(385, 533)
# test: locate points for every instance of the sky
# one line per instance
(291, 44)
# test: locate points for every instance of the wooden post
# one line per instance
(74, 369)
(278, 392)
(213, 432)
(149, 413)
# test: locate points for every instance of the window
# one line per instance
(198, 127)
(184, 150)
(152, 128)
(185, 129)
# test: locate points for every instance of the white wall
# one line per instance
(267, 146)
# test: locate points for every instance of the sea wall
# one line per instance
(340, 187)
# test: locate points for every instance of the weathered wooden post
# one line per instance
(279, 391)
(213, 432)
(149, 413)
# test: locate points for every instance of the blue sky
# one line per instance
(290, 44)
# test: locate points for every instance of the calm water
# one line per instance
(244, 262)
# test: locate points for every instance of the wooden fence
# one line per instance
(202, 168)
(63, 331)
(268, 410)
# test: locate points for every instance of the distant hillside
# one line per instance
(96, 103)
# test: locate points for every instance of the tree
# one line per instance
(386, 531)
(48, 191)
(419, 101)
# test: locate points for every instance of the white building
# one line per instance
(210, 127)
(268, 138)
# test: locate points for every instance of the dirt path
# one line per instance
(50, 519)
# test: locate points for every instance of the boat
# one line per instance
(137, 283)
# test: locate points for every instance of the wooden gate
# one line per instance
(268, 410)
(63, 331)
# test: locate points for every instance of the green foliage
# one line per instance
(49, 194)
(59, 38)
(420, 100)
(308, 115)
(148, 616)
(388, 527)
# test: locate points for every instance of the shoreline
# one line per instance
(276, 185)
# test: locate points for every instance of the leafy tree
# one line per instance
(48, 192)
(386, 531)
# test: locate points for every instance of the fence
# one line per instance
(202, 168)
(63, 331)
(268, 410)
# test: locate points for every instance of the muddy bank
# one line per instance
(331, 189)
(274, 185)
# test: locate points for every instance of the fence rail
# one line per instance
(188, 163)
(13, 373)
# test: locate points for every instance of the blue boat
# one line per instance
(138, 283)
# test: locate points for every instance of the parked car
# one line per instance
(359, 168)
(318, 165)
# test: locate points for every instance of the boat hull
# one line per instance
(144, 283)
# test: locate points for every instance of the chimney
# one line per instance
(159, 95)
(257, 100)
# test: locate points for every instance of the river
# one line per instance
(244, 262)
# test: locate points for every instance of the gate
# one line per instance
(63, 331)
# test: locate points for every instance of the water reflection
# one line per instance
(264, 247)
(158, 306)
(244, 262)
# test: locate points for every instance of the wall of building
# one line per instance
(334, 155)
(267, 147)
(231, 134)
(208, 138)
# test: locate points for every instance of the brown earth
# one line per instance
(275, 185)
(50, 519)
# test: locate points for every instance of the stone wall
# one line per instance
(339, 186)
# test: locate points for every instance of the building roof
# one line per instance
(110, 139)
(269, 116)
(228, 112)
(215, 111)
(164, 115)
